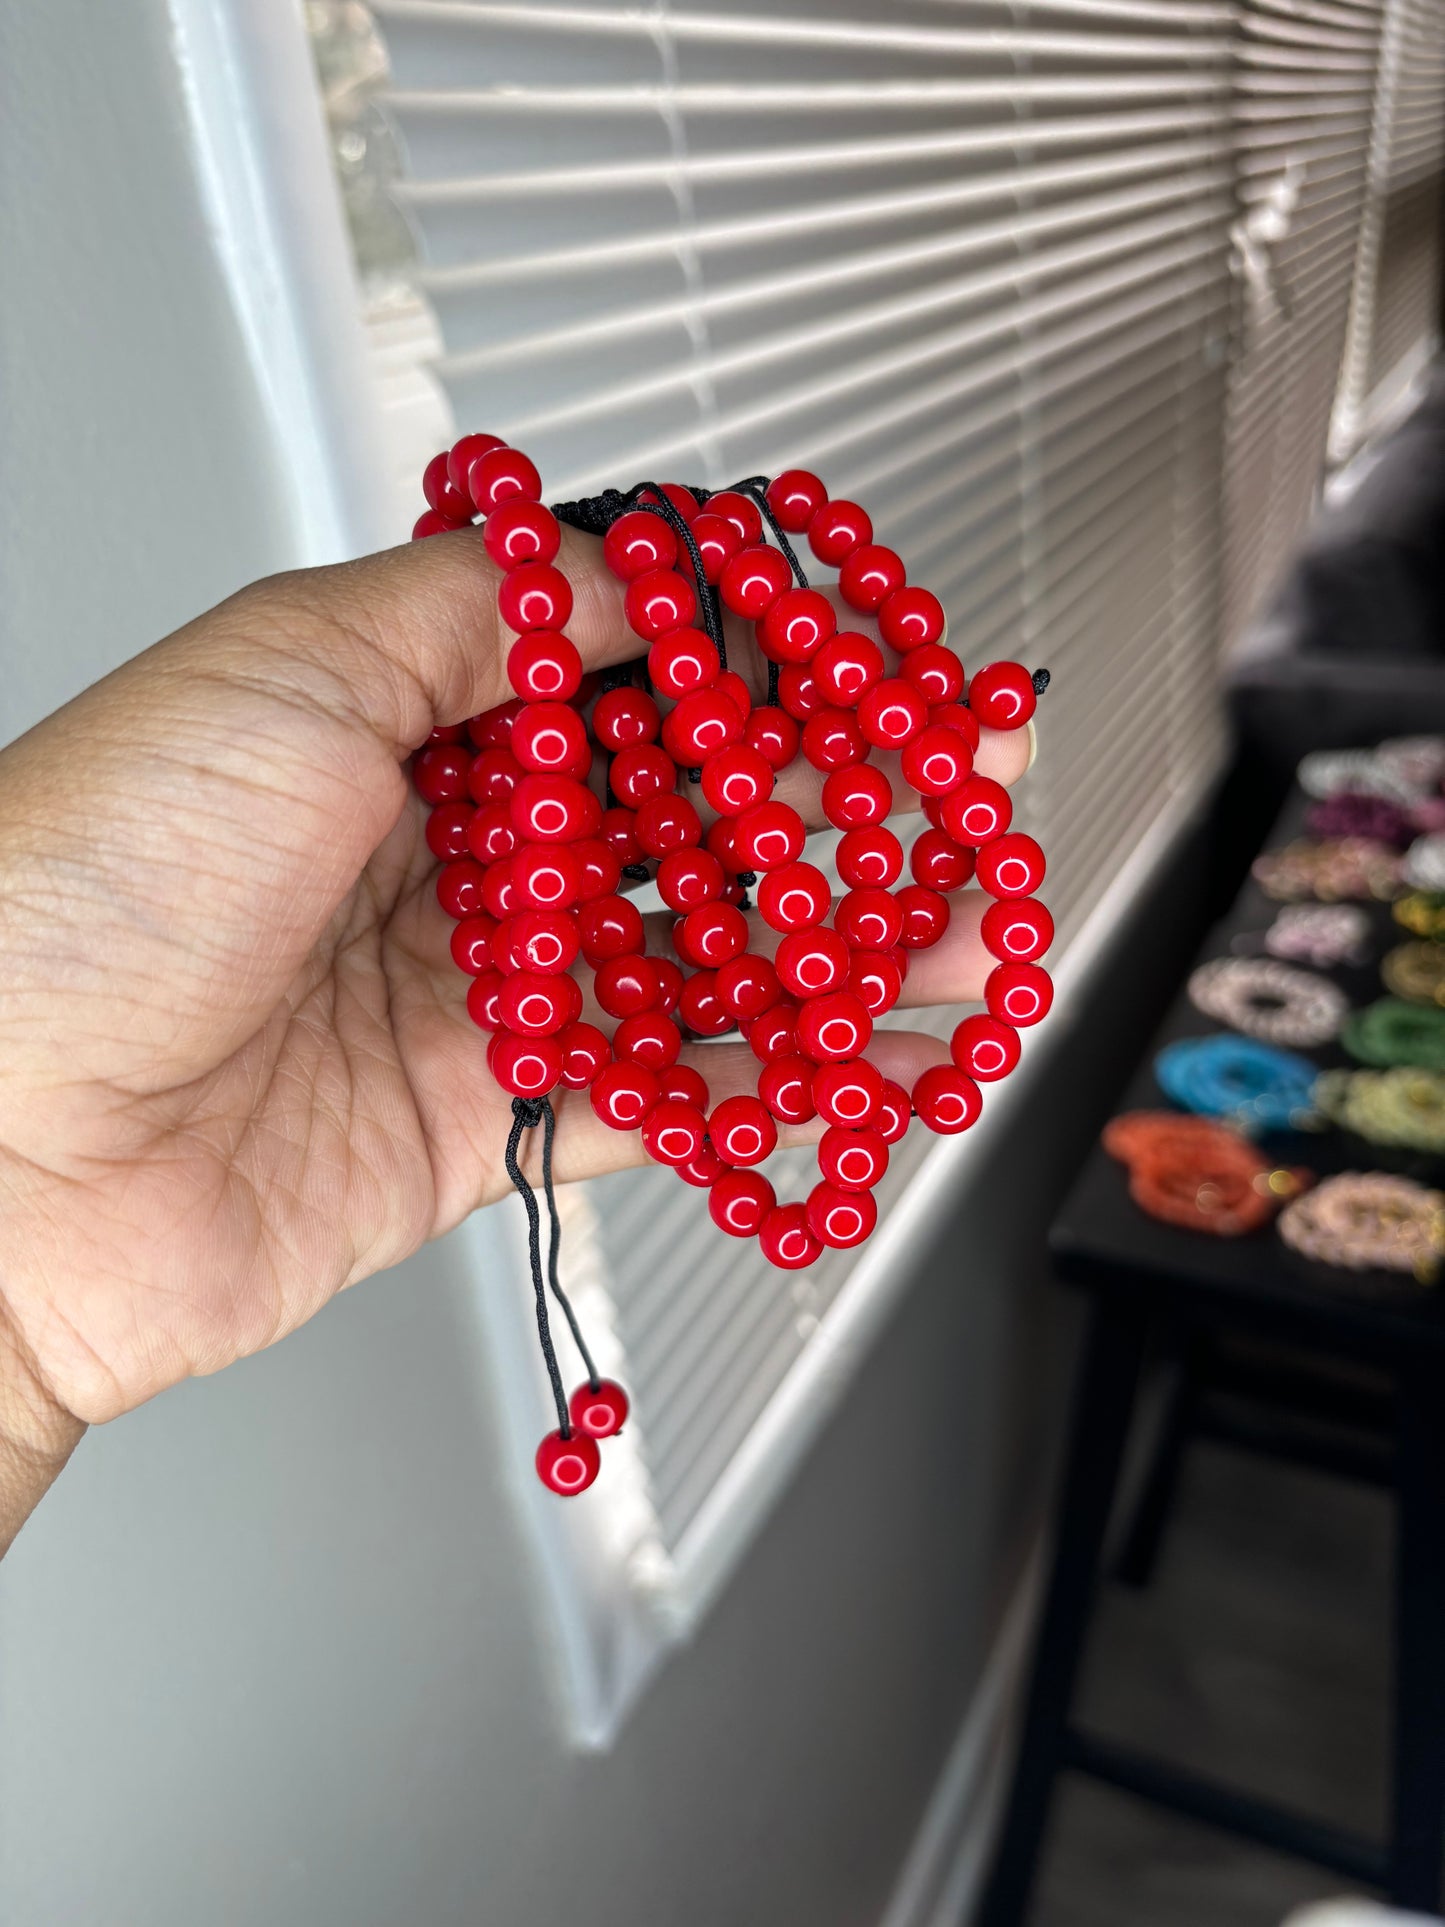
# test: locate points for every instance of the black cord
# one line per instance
(549, 1131)
(755, 488)
(664, 506)
(527, 1111)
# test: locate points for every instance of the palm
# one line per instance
(238, 1072)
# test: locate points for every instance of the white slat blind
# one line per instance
(1305, 89)
(1394, 311)
(971, 261)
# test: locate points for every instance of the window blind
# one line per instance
(1304, 102)
(1395, 306)
(972, 262)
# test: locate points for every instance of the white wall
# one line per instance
(270, 1652)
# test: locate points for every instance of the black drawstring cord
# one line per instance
(527, 1111)
(755, 488)
(664, 506)
(549, 1131)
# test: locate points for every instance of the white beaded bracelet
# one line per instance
(1269, 1000)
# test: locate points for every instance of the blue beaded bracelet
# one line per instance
(1253, 1085)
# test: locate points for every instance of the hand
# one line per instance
(236, 1069)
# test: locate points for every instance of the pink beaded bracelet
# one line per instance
(534, 853)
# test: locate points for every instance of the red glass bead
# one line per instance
(493, 728)
(659, 601)
(741, 511)
(939, 863)
(875, 978)
(585, 1052)
(892, 713)
(869, 576)
(832, 739)
(774, 1034)
(718, 541)
(499, 889)
(796, 626)
(837, 529)
(442, 494)
(747, 986)
(1018, 993)
(795, 498)
(722, 842)
(841, 1219)
(731, 684)
(619, 833)
(935, 672)
(742, 1131)
(769, 835)
(736, 779)
(812, 961)
(699, 725)
(622, 717)
(446, 733)
(700, 1007)
(687, 878)
(977, 811)
(682, 660)
(550, 737)
(703, 1171)
(955, 716)
(937, 760)
(554, 809)
(546, 875)
(925, 916)
(499, 475)
(610, 927)
(798, 692)
(641, 772)
(787, 1239)
(1017, 930)
(472, 944)
(447, 830)
(601, 869)
(794, 897)
(740, 1201)
(639, 543)
(544, 941)
(785, 1084)
(985, 1048)
(430, 523)
(598, 1411)
(484, 1000)
(857, 797)
(568, 1466)
(520, 532)
(669, 984)
(673, 1132)
(459, 887)
(895, 1112)
(946, 1100)
(847, 1092)
(623, 1094)
(544, 665)
(869, 919)
(752, 581)
(1011, 866)
(846, 667)
(682, 499)
(493, 775)
(533, 1005)
(833, 1027)
(713, 935)
(665, 824)
(1001, 695)
(774, 735)
(853, 1160)
(682, 1082)
(869, 859)
(463, 453)
(440, 773)
(524, 1066)
(911, 619)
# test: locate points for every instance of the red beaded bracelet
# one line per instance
(534, 852)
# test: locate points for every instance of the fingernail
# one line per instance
(1033, 748)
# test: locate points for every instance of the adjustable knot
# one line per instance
(528, 1110)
